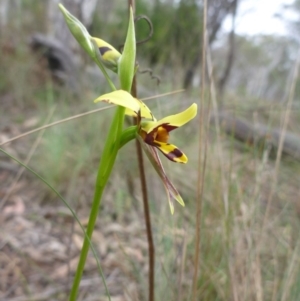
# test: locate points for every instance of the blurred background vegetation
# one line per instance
(250, 218)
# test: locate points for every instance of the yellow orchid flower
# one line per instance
(134, 107)
(156, 133)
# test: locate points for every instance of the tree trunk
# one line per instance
(218, 11)
(231, 52)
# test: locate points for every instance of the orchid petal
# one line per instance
(172, 152)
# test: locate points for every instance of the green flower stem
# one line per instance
(99, 64)
(128, 135)
(107, 161)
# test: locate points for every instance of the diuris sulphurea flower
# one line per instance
(153, 135)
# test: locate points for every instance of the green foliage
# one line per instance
(187, 31)
(160, 47)
(176, 29)
(175, 35)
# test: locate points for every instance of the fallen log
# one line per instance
(258, 134)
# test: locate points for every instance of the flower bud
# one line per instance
(78, 31)
(107, 54)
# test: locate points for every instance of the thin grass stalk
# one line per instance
(182, 267)
(277, 278)
(234, 281)
(201, 154)
(257, 279)
(291, 275)
(218, 131)
(224, 183)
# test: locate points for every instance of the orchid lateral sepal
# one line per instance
(153, 157)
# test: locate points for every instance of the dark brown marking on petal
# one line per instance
(156, 144)
(103, 50)
(165, 126)
(149, 139)
(176, 153)
(168, 127)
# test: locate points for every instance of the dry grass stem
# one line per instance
(201, 158)
(217, 128)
